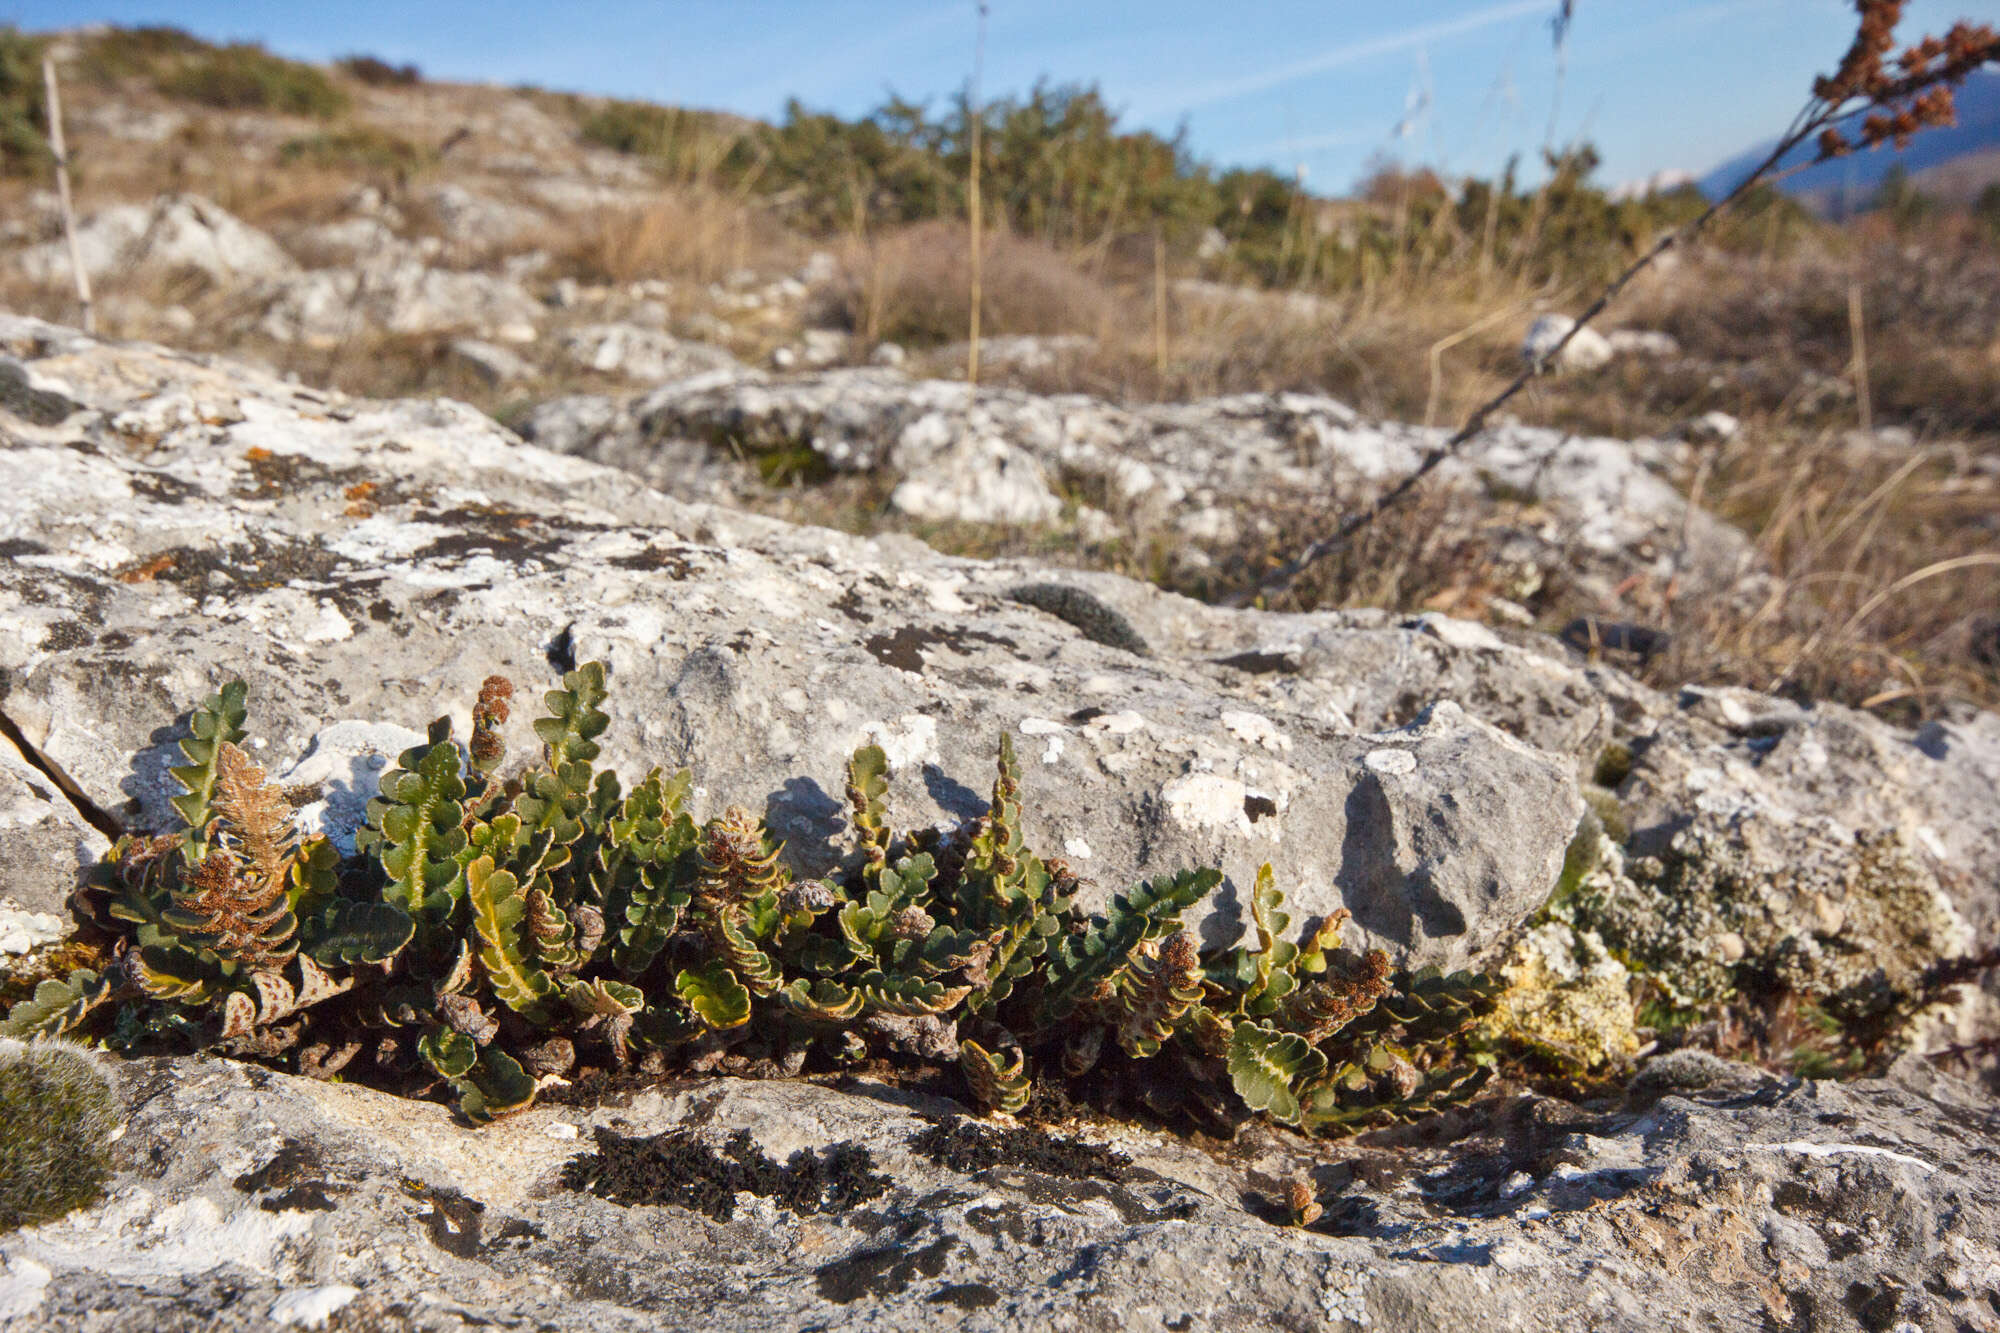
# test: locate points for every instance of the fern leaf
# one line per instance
(647, 870)
(714, 993)
(348, 932)
(489, 713)
(823, 1001)
(1156, 990)
(1267, 1067)
(314, 877)
(415, 828)
(495, 1086)
(999, 1081)
(909, 996)
(867, 784)
(57, 1005)
(1272, 963)
(1079, 963)
(570, 730)
(172, 972)
(755, 968)
(498, 904)
(216, 722)
(238, 920)
(448, 1051)
(254, 819)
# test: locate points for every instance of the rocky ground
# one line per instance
(1731, 872)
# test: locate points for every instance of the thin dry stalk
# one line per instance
(1875, 603)
(972, 204)
(61, 155)
(1449, 341)
(1857, 330)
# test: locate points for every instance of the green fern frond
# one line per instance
(498, 905)
(216, 722)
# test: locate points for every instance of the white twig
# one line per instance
(62, 193)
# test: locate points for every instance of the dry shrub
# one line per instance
(695, 234)
(914, 286)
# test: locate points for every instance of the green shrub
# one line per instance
(491, 930)
(681, 144)
(378, 73)
(23, 149)
(57, 1116)
(246, 77)
(113, 54)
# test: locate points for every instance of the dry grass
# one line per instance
(913, 286)
(696, 234)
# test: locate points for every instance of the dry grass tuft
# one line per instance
(694, 233)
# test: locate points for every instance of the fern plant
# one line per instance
(492, 932)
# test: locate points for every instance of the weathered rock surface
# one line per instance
(400, 291)
(175, 231)
(44, 844)
(1713, 1197)
(370, 563)
(169, 521)
(1205, 472)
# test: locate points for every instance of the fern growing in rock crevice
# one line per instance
(490, 934)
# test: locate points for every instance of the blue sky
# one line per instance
(1460, 84)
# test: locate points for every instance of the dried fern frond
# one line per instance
(735, 865)
(489, 714)
(1319, 1009)
(256, 820)
(240, 918)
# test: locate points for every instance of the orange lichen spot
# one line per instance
(147, 571)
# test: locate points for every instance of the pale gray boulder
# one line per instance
(370, 563)
(175, 231)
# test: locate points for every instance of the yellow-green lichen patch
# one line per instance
(1850, 922)
(1568, 1002)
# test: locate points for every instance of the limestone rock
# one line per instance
(639, 353)
(244, 1198)
(44, 843)
(397, 291)
(175, 231)
(198, 521)
(1588, 350)
(1643, 342)
(491, 362)
(1225, 464)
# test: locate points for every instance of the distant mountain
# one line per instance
(1954, 163)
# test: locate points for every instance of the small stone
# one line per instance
(1390, 763)
(1588, 350)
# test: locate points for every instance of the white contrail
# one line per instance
(1354, 52)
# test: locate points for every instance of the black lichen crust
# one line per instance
(678, 1168)
(969, 1148)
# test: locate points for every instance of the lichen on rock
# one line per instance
(1849, 921)
(1568, 1002)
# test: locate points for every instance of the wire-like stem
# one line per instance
(1280, 580)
